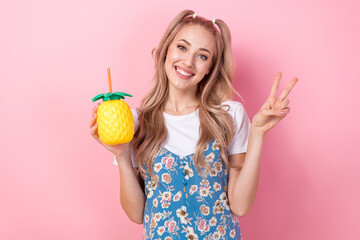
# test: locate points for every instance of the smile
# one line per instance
(182, 73)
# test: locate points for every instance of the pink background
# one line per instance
(56, 182)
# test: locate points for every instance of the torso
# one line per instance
(185, 205)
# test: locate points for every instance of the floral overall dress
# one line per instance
(184, 205)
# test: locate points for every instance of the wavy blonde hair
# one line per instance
(213, 89)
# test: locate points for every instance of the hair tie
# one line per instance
(213, 21)
(194, 15)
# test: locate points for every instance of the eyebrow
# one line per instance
(203, 49)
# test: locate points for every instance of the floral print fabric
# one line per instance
(186, 205)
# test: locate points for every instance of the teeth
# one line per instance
(183, 73)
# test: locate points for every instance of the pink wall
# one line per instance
(56, 182)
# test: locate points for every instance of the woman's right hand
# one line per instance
(122, 150)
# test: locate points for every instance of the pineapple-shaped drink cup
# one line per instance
(114, 118)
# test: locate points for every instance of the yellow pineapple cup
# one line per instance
(114, 118)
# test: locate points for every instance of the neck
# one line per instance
(181, 102)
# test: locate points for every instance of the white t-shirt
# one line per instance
(183, 131)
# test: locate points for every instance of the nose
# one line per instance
(189, 60)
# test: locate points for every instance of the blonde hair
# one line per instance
(213, 89)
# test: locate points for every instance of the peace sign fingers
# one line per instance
(274, 108)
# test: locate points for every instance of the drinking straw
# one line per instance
(109, 79)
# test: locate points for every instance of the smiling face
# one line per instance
(189, 58)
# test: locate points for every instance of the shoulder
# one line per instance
(233, 107)
(242, 125)
(232, 103)
(135, 114)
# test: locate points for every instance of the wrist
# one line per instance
(122, 158)
(258, 132)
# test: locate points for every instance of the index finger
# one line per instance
(275, 86)
(288, 88)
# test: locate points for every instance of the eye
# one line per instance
(181, 47)
(203, 57)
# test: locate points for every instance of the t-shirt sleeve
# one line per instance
(132, 154)
(241, 128)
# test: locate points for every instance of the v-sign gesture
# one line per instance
(274, 109)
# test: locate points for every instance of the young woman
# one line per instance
(193, 165)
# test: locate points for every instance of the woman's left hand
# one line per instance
(274, 109)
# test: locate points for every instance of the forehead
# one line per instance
(197, 36)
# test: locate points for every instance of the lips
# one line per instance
(183, 73)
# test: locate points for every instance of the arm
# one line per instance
(243, 184)
(132, 196)
(244, 170)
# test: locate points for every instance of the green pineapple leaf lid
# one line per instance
(111, 96)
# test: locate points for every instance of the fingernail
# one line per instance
(283, 112)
